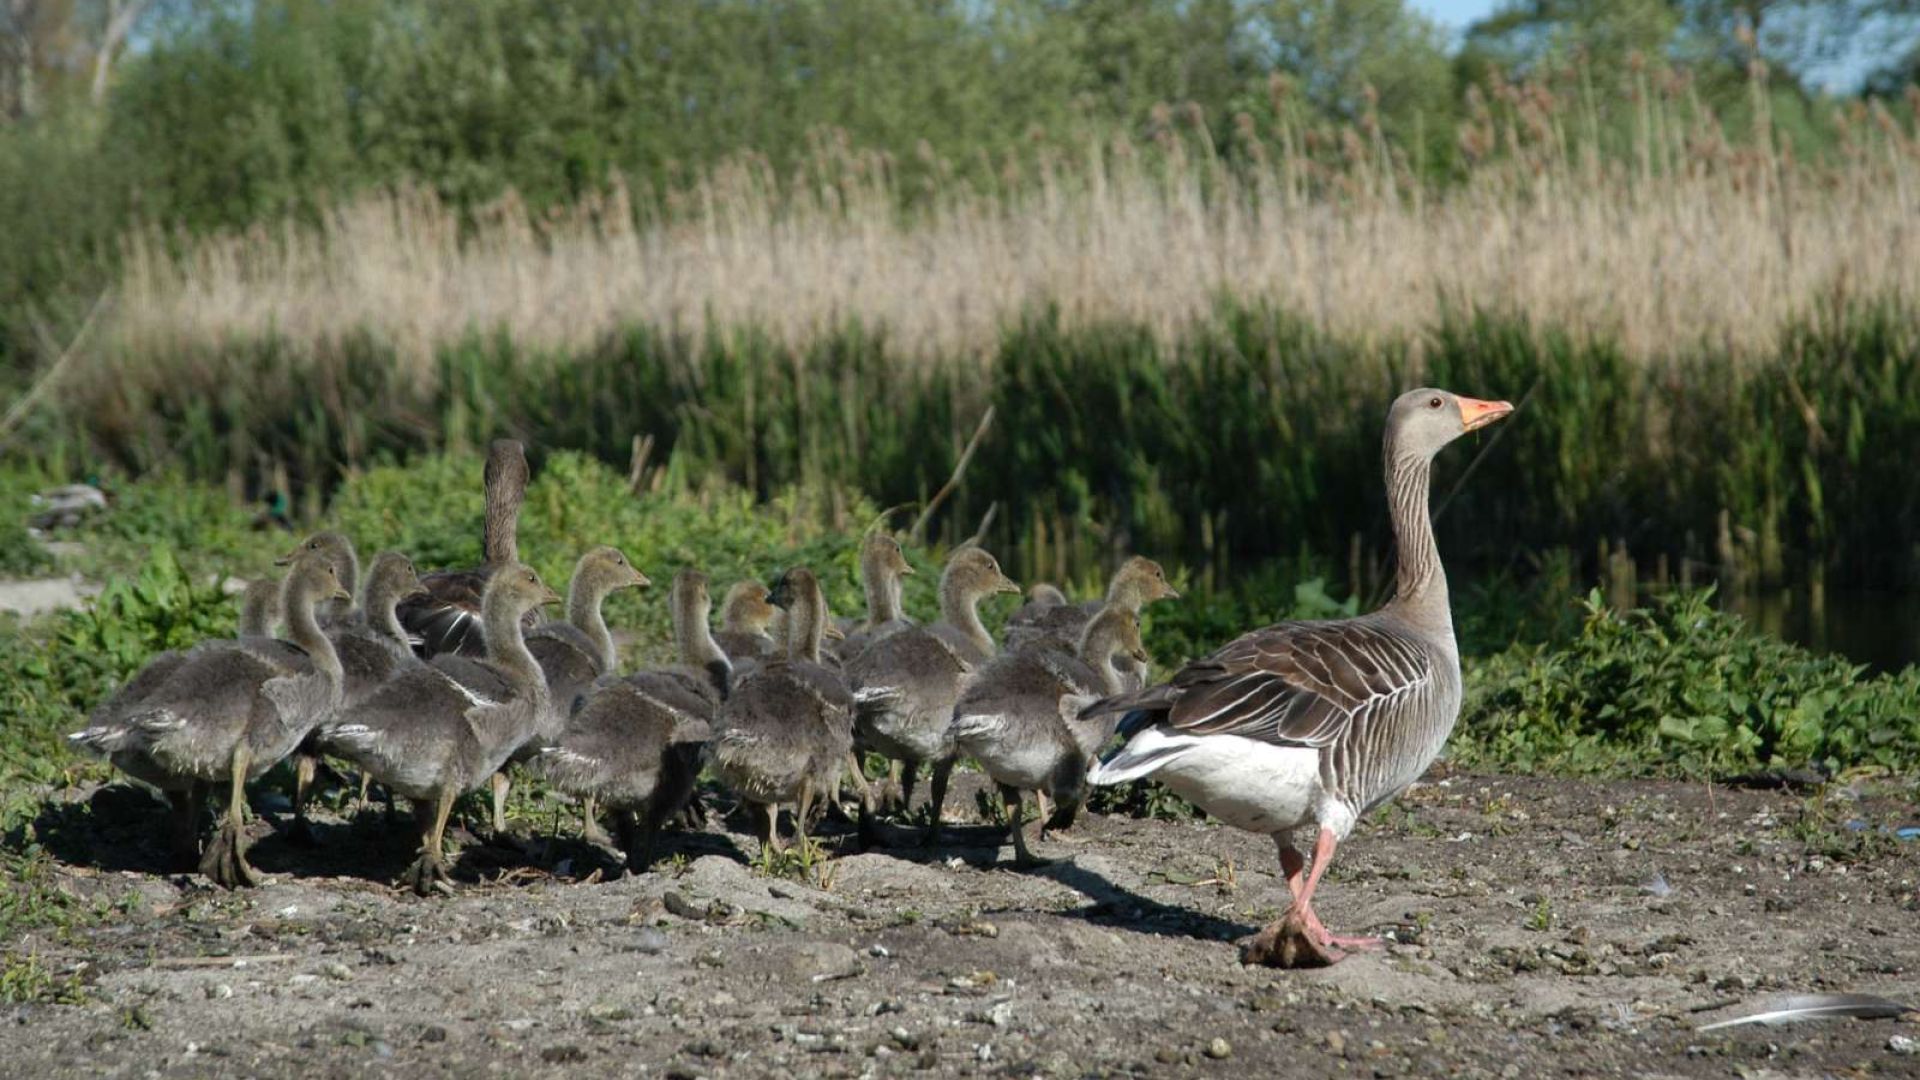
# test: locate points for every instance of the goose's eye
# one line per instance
(1433, 403)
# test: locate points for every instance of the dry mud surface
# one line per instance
(1545, 928)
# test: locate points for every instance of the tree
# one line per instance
(118, 18)
(1792, 35)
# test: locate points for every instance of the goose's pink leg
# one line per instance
(1297, 939)
(1323, 846)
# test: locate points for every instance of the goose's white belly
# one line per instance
(1246, 783)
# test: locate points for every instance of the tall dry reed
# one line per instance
(1664, 238)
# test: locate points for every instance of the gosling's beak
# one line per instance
(286, 559)
(1141, 655)
(418, 590)
(834, 633)
(1476, 414)
(1169, 593)
(641, 580)
(342, 594)
(548, 596)
(1007, 585)
(907, 570)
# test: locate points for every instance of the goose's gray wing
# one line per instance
(1294, 684)
(477, 676)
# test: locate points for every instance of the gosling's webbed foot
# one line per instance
(693, 816)
(225, 860)
(593, 833)
(427, 875)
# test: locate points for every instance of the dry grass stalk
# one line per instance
(1675, 239)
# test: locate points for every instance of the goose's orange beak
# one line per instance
(1476, 414)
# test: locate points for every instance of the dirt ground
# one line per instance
(1543, 928)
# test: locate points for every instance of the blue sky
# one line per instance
(1841, 75)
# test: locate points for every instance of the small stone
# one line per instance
(1336, 1043)
(879, 950)
(337, 970)
(565, 1053)
(219, 992)
(434, 1034)
(1219, 1049)
(1166, 1055)
(650, 941)
(1904, 1045)
(679, 905)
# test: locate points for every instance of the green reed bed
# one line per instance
(1252, 436)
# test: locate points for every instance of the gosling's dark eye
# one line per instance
(1433, 403)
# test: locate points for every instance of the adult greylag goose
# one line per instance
(883, 570)
(1019, 717)
(1309, 725)
(745, 619)
(571, 654)
(1139, 582)
(371, 645)
(429, 735)
(906, 684)
(785, 731)
(449, 617)
(227, 712)
(634, 741)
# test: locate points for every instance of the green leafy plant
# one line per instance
(1680, 687)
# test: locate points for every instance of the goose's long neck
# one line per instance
(507, 650)
(694, 637)
(806, 625)
(381, 618)
(1420, 595)
(960, 608)
(882, 586)
(583, 611)
(1099, 645)
(259, 609)
(303, 629)
(500, 544)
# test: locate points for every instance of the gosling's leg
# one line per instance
(769, 815)
(226, 859)
(304, 768)
(1017, 826)
(429, 871)
(909, 776)
(500, 785)
(937, 799)
(590, 829)
(183, 825)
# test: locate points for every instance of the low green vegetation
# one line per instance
(1680, 688)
